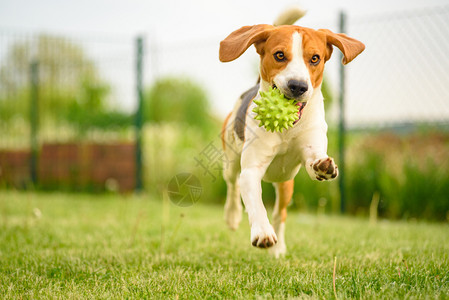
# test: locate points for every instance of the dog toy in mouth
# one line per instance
(275, 112)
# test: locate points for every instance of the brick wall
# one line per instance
(15, 168)
(74, 166)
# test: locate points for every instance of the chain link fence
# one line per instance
(67, 104)
(402, 77)
(397, 115)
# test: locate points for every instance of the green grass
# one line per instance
(106, 246)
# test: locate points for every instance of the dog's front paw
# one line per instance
(325, 169)
(263, 235)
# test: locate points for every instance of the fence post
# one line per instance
(34, 119)
(139, 114)
(342, 124)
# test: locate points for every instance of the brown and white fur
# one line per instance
(292, 59)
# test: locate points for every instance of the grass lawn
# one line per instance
(55, 245)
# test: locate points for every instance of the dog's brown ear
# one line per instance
(237, 42)
(348, 46)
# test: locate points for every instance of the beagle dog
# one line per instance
(292, 59)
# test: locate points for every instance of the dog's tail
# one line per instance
(290, 16)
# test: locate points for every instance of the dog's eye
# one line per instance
(315, 59)
(279, 56)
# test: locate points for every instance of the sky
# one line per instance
(174, 20)
(183, 36)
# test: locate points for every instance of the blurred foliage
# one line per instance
(171, 148)
(68, 85)
(91, 111)
(179, 126)
(408, 171)
(180, 100)
(59, 60)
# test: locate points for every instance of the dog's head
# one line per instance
(292, 57)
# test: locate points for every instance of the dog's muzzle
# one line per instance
(301, 104)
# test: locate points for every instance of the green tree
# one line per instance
(179, 100)
(67, 78)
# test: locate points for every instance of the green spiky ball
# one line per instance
(274, 111)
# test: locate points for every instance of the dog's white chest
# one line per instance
(287, 161)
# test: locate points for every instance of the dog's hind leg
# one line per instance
(231, 170)
(233, 206)
(284, 192)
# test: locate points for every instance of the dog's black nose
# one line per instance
(297, 87)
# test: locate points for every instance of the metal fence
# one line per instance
(402, 77)
(396, 99)
(57, 90)
(70, 71)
